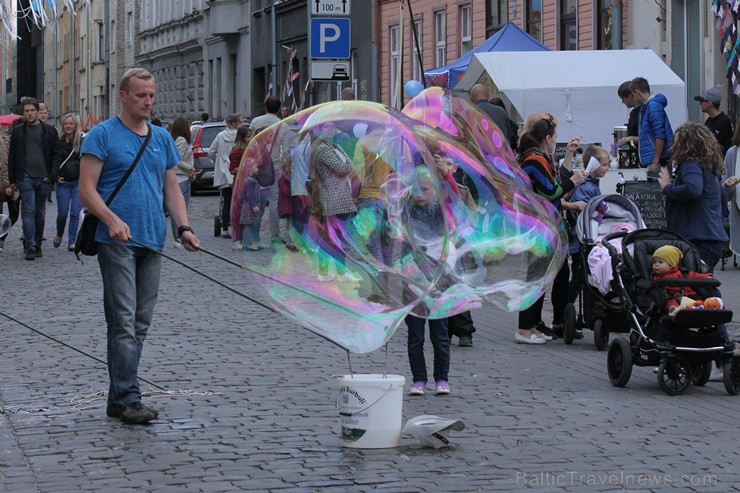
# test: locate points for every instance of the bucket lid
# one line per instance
(432, 431)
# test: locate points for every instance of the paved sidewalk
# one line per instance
(251, 405)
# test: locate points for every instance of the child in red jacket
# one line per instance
(665, 266)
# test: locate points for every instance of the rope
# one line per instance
(83, 402)
(41, 333)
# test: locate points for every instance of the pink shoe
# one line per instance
(443, 388)
(419, 388)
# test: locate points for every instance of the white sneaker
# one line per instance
(349, 277)
(237, 245)
(717, 375)
(325, 277)
(533, 339)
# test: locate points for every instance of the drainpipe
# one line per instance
(106, 58)
(56, 65)
(374, 72)
(273, 75)
(617, 7)
(72, 78)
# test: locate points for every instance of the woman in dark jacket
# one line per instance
(66, 172)
(693, 200)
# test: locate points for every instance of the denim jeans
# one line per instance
(34, 192)
(68, 204)
(440, 343)
(185, 189)
(130, 288)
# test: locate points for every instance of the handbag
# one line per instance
(85, 243)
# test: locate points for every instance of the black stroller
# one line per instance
(598, 310)
(684, 346)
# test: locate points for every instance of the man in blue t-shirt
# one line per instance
(131, 273)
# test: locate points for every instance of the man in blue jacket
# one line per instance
(655, 133)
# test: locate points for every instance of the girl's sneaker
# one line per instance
(443, 388)
(419, 388)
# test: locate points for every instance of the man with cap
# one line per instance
(717, 121)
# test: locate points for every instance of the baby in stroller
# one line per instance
(666, 260)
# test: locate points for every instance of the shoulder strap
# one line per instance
(133, 165)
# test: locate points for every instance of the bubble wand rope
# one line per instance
(232, 289)
(72, 347)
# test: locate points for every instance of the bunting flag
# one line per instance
(726, 17)
(39, 13)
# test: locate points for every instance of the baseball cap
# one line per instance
(432, 431)
(712, 95)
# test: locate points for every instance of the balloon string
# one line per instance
(71, 347)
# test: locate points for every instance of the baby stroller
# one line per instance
(598, 310)
(684, 346)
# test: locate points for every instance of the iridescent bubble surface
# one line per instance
(381, 227)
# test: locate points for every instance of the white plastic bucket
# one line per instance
(370, 409)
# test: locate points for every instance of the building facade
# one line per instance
(683, 33)
(280, 55)
(228, 58)
(171, 45)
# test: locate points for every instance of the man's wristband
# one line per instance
(182, 229)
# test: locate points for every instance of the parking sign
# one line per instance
(330, 38)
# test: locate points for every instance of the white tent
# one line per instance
(579, 87)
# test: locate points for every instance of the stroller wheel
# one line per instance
(700, 374)
(619, 361)
(731, 372)
(569, 323)
(674, 375)
(601, 335)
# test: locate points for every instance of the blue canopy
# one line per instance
(508, 38)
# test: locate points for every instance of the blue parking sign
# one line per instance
(330, 38)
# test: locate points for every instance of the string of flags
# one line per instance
(38, 13)
(726, 13)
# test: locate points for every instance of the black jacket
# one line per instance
(71, 169)
(17, 150)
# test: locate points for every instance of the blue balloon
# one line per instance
(412, 88)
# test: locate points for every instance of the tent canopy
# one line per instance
(508, 38)
(578, 87)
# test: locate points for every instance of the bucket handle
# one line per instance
(366, 408)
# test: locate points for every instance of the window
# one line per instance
(112, 36)
(417, 73)
(440, 37)
(83, 52)
(534, 18)
(99, 47)
(604, 23)
(130, 28)
(466, 30)
(568, 27)
(395, 101)
(497, 15)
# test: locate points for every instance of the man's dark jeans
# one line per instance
(34, 192)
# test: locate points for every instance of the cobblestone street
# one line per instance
(250, 400)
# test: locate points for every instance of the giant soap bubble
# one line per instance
(381, 227)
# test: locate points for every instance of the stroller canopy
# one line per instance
(605, 212)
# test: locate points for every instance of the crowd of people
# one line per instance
(696, 167)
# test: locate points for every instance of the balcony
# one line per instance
(227, 16)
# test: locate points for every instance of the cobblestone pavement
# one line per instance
(251, 401)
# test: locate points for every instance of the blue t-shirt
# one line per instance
(139, 203)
